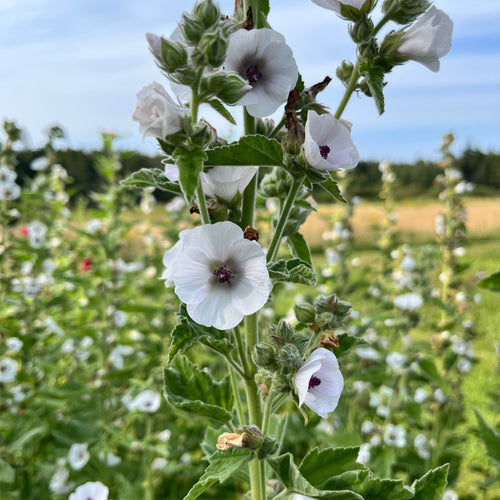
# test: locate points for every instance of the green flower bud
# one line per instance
(290, 357)
(342, 308)
(207, 13)
(344, 72)
(184, 76)
(268, 446)
(327, 321)
(191, 28)
(368, 49)
(304, 312)
(388, 48)
(276, 184)
(213, 47)
(174, 55)
(362, 29)
(285, 331)
(294, 139)
(264, 355)
(404, 11)
(228, 87)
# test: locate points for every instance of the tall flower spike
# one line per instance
(266, 62)
(319, 382)
(218, 274)
(428, 39)
(328, 144)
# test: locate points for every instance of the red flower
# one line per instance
(24, 230)
(85, 265)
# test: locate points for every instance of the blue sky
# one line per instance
(80, 63)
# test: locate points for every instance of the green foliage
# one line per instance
(332, 188)
(490, 437)
(190, 163)
(151, 177)
(491, 283)
(374, 77)
(299, 247)
(432, 484)
(292, 271)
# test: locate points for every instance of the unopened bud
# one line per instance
(344, 72)
(290, 357)
(294, 139)
(404, 11)
(213, 46)
(230, 88)
(368, 49)
(170, 55)
(362, 29)
(285, 330)
(207, 13)
(192, 29)
(304, 312)
(264, 355)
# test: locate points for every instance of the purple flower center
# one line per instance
(313, 382)
(253, 74)
(323, 151)
(223, 274)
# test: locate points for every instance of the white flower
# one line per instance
(159, 463)
(363, 454)
(464, 365)
(335, 5)
(8, 370)
(428, 39)
(319, 382)
(226, 182)
(165, 435)
(117, 353)
(420, 395)
(407, 264)
(14, 344)
(367, 426)
(110, 458)
(408, 301)
(157, 113)
(440, 396)
(40, 163)
(78, 456)
(367, 353)
(36, 233)
(7, 176)
(171, 172)
(396, 360)
(262, 58)
(395, 435)
(93, 226)
(219, 275)
(58, 482)
(450, 495)
(328, 144)
(120, 318)
(146, 401)
(90, 491)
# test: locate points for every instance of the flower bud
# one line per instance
(362, 29)
(213, 47)
(294, 139)
(285, 330)
(290, 357)
(174, 55)
(201, 134)
(264, 355)
(404, 11)
(228, 87)
(304, 312)
(192, 29)
(344, 71)
(368, 49)
(207, 13)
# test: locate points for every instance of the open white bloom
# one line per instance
(450, 495)
(266, 62)
(395, 435)
(157, 113)
(364, 454)
(8, 370)
(396, 360)
(335, 5)
(428, 39)
(226, 182)
(218, 274)
(93, 226)
(14, 344)
(36, 233)
(408, 301)
(109, 458)
(78, 456)
(90, 491)
(328, 144)
(146, 401)
(319, 382)
(40, 163)
(7, 176)
(59, 481)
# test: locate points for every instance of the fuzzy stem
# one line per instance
(250, 193)
(272, 252)
(351, 87)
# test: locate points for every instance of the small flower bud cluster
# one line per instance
(327, 313)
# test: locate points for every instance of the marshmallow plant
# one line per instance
(223, 270)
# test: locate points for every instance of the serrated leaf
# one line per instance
(196, 391)
(374, 76)
(151, 177)
(222, 110)
(375, 488)
(332, 188)
(249, 150)
(264, 7)
(286, 470)
(292, 271)
(223, 466)
(491, 283)
(432, 484)
(299, 247)
(318, 466)
(188, 332)
(190, 163)
(490, 437)
(347, 342)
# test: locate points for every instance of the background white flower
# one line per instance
(8, 370)
(328, 144)
(157, 113)
(146, 401)
(78, 456)
(218, 274)
(266, 62)
(90, 491)
(40, 163)
(226, 182)
(319, 382)
(336, 4)
(408, 301)
(428, 39)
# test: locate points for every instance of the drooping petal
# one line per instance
(226, 182)
(303, 376)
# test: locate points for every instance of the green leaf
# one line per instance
(429, 368)
(292, 271)
(332, 188)
(388, 489)
(7, 473)
(318, 466)
(264, 7)
(223, 466)
(295, 482)
(299, 247)
(374, 76)
(195, 391)
(347, 342)
(490, 437)
(222, 110)
(190, 163)
(491, 283)
(432, 484)
(30, 436)
(249, 150)
(188, 332)
(151, 177)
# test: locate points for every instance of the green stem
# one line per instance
(351, 87)
(385, 19)
(202, 204)
(278, 127)
(250, 193)
(236, 392)
(285, 213)
(148, 486)
(242, 353)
